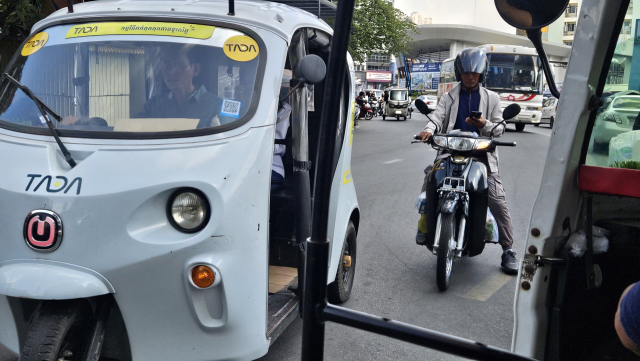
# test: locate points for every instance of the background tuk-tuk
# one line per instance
(398, 104)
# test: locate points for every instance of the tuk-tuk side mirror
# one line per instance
(531, 16)
(312, 69)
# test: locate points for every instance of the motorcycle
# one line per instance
(374, 107)
(457, 194)
(368, 115)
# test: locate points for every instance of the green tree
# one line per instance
(18, 16)
(379, 27)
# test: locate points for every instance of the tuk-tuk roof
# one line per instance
(396, 88)
(279, 18)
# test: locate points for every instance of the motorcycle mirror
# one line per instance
(511, 111)
(422, 107)
(531, 16)
(312, 68)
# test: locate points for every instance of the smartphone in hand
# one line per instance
(476, 115)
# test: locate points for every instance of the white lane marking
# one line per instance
(485, 289)
(548, 135)
(393, 161)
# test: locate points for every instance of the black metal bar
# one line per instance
(232, 8)
(419, 336)
(535, 36)
(103, 309)
(70, 6)
(315, 283)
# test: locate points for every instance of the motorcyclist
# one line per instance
(454, 112)
(361, 101)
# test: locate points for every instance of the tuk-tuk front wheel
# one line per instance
(339, 290)
(384, 117)
(59, 330)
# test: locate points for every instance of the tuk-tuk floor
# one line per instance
(283, 304)
(281, 277)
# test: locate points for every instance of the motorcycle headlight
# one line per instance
(482, 143)
(456, 143)
(188, 210)
(440, 141)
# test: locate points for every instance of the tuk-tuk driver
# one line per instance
(180, 64)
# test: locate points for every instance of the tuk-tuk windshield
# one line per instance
(124, 77)
(398, 95)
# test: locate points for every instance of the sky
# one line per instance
(480, 13)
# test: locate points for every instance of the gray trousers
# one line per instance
(497, 205)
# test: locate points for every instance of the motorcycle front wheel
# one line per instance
(368, 116)
(446, 250)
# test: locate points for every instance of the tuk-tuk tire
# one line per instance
(404, 118)
(50, 325)
(338, 291)
(384, 117)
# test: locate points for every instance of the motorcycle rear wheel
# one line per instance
(368, 116)
(446, 250)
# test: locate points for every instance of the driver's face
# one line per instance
(470, 79)
(178, 71)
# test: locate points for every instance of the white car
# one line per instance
(619, 117)
(430, 100)
(549, 107)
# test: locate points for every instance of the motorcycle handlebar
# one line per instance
(504, 144)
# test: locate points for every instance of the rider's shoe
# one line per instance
(421, 238)
(509, 263)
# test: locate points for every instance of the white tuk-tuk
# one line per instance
(140, 219)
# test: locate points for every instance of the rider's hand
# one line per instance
(476, 122)
(425, 136)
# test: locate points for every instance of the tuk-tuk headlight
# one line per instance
(188, 210)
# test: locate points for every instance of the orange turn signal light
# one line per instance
(202, 276)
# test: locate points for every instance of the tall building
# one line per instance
(420, 19)
(563, 30)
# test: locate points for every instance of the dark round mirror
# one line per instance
(422, 107)
(312, 68)
(511, 111)
(530, 14)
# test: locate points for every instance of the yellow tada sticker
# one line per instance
(130, 28)
(34, 44)
(241, 48)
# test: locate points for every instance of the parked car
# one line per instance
(430, 100)
(549, 107)
(617, 118)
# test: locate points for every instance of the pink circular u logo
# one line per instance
(43, 230)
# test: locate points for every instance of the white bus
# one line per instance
(514, 72)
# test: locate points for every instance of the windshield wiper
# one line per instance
(44, 109)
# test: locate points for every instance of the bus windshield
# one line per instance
(514, 73)
(132, 82)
